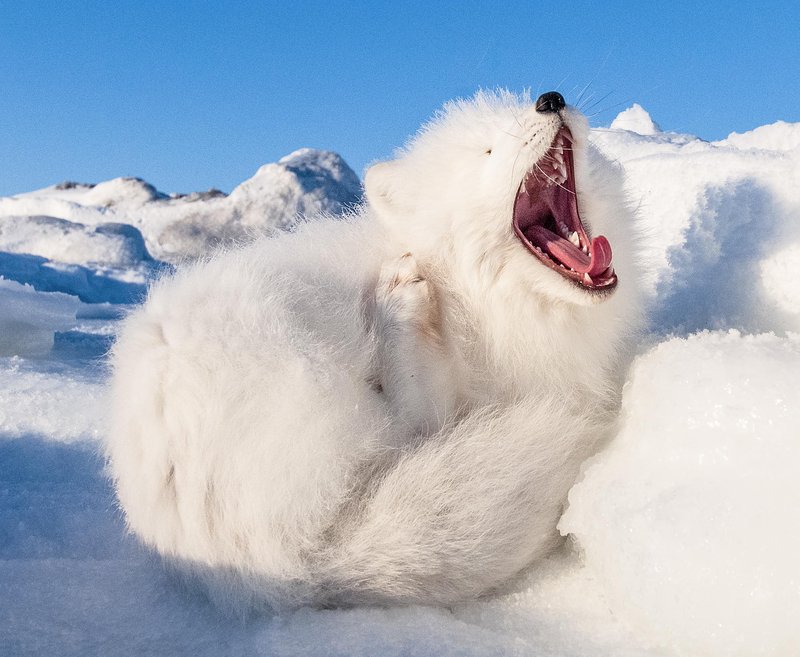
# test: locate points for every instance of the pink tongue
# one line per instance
(594, 264)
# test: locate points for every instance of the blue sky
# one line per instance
(197, 95)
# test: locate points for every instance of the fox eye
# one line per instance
(488, 151)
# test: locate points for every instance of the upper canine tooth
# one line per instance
(573, 237)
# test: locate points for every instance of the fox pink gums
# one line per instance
(389, 408)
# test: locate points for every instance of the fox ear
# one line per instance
(383, 184)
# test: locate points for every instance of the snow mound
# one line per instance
(122, 191)
(306, 183)
(112, 245)
(635, 119)
(302, 184)
(688, 519)
(323, 171)
(778, 136)
(176, 228)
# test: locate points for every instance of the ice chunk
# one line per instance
(29, 319)
(91, 285)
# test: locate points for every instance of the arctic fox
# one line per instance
(389, 408)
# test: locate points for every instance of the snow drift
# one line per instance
(688, 517)
(722, 225)
(684, 530)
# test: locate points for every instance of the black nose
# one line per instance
(552, 101)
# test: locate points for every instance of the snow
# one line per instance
(683, 529)
(180, 227)
(636, 119)
(112, 245)
(779, 136)
(688, 518)
(89, 284)
(721, 226)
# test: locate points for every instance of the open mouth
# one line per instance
(547, 221)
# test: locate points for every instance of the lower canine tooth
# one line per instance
(587, 279)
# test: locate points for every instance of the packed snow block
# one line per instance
(689, 517)
(29, 319)
(106, 244)
(89, 285)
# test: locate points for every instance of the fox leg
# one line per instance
(416, 371)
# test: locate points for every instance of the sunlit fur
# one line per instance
(322, 419)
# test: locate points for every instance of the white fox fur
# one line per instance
(389, 408)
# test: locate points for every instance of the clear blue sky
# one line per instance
(192, 95)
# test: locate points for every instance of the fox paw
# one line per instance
(405, 296)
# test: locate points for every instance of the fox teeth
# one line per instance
(573, 237)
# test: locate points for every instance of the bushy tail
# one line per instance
(463, 512)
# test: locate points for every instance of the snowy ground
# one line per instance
(685, 529)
